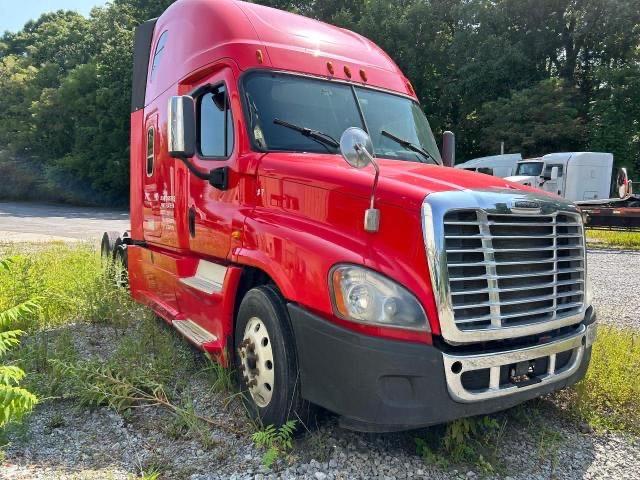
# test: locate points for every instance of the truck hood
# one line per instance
(401, 183)
(521, 179)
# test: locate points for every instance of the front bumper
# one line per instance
(380, 385)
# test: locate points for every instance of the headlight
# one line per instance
(364, 296)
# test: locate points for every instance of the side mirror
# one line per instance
(181, 127)
(554, 173)
(448, 149)
(356, 149)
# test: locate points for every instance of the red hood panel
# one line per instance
(401, 183)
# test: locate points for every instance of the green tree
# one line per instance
(534, 121)
(615, 116)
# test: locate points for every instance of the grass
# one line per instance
(69, 284)
(609, 395)
(613, 239)
(139, 362)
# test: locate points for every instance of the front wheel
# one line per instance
(266, 360)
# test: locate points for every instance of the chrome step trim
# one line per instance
(576, 342)
(209, 277)
(194, 332)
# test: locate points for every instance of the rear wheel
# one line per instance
(120, 265)
(266, 360)
(108, 245)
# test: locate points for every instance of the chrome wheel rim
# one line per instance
(257, 366)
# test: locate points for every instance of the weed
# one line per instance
(187, 424)
(15, 401)
(56, 421)
(317, 447)
(149, 475)
(548, 442)
(277, 441)
(468, 440)
(94, 384)
(221, 378)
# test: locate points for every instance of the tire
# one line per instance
(108, 245)
(120, 266)
(263, 321)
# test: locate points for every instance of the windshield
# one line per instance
(530, 169)
(331, 108)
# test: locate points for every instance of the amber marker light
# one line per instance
(330, 68)
(259, 56)
(347, 71)
(339, 301)
(363, 75)
(410, 88)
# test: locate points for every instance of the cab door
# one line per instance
(213, 210)
(555, 185)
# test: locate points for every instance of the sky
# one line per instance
(15, 13)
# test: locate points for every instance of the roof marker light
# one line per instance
(410, 88)
(363, 75)
(259, 56)
(347, 71)
(330, 68)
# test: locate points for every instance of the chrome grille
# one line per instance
(513, 269)
(503, 263)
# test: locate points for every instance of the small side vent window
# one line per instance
(157, 56)
(150, 140)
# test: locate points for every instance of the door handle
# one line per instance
(219, 178)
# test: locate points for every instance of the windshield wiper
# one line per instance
(410, 146)
(316, 135)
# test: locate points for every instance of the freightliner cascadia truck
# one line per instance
(292, 215)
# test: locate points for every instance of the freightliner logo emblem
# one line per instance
(527, 204)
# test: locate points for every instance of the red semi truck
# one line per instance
(291, 215)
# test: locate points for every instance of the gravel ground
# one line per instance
(615, 279)
(539, 440)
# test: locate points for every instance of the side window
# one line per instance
(548, 167)
(150, 142)
(215, 124)
(157, 55)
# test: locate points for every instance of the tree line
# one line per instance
(540, 75)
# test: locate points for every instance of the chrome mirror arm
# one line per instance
(372, 214)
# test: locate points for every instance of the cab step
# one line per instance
(194, 332)
(209, 278)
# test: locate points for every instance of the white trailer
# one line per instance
(575, 176)
(496, 165)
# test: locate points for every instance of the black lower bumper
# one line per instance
(385, 385)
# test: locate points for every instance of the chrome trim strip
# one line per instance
(575, 342)
(494, 202)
